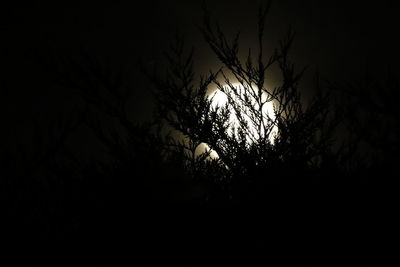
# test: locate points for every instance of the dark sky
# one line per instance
(339, 38)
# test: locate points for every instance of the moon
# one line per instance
(219, 99)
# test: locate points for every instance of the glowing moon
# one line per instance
(220, 99)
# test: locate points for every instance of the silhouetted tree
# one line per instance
(169, 161)
(286, 145)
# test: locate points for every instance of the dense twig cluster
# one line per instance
(259, 145)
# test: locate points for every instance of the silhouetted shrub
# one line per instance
(161, 174)
(290, 144)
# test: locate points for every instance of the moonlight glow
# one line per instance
(220, 99)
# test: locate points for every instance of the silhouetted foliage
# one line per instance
(166, 168)
(289, 145)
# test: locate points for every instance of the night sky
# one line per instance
(337, 38)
